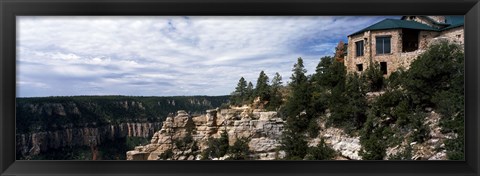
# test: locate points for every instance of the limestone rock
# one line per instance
(262, 128)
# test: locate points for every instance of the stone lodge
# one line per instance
(395, 43)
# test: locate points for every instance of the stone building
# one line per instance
(395, 43)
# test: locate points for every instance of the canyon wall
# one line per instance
(262, 129)
(32, 144)
(56, 122)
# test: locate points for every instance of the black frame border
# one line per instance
(9, 9)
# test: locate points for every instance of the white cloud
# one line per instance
(168, 55)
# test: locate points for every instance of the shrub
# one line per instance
(320, 152)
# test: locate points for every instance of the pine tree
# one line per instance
(299, 98)
(262, 89)
(240, 94)
(275, 94)
(294, 144)
(373, 145)
(249, 92)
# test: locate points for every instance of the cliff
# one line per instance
(59, 122)
(33, 144)
(262, 129)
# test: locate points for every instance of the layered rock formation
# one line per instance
(32, 144)
(262, 129)
(45, 123)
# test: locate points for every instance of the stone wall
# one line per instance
(396, 59)
(392, 58)
(454, 35)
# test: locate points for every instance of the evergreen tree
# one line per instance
(372, 141)
(249, 92)
(216, 147)
(294, 144)
(374, 77)
(433, 71)
(240, 94)
(262, 89)
(299, 98)
(322, 72)
(320, 86)
(275, 94)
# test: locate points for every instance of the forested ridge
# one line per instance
(50, 113)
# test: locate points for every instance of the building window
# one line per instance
(359, 48)
(383, 44)
(383, 67)
(359, 67)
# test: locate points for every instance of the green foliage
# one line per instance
(132, 142)
(373, 76)
(239, 150)
(185, 143)
(406, 154)
(348, 105)
(294, 144)
(168, 154)
(217, 147)
(299, 99)
(372, 140)
(436, 79)
(262, 89)
(249, 92)
(320, 152)
(40, 113)
(239, 96)
(329, 73)
(434, 71)
(275, 94)
(313, 129)
(108, 150)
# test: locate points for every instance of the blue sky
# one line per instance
(168, 56)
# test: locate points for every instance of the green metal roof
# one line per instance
(451, 22)
(454, 21)
(396, 24)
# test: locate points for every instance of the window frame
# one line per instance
(383, 37)
(362, 51)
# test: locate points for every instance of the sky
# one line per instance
(168, 55)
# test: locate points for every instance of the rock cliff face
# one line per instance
(45, 123)
(263, 129)
(35, 143)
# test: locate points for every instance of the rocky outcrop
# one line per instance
(263, 129)
(35, 143)
(347, 146)
(431, 149)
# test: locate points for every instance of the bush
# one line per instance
(313, 129)
(168, 154)
(216, 147)
(239, 150)
(320, 152)
(374, 77)
(294, 144)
